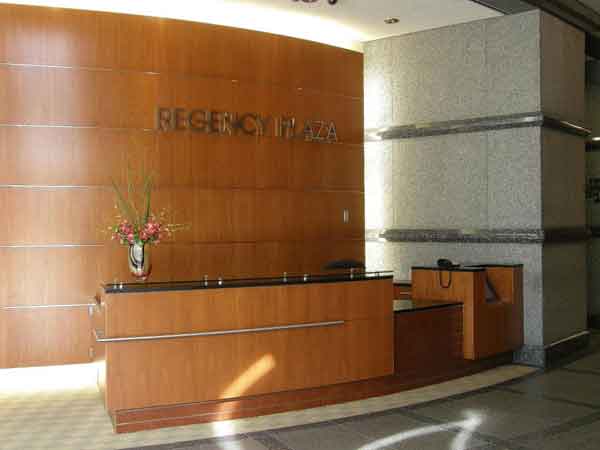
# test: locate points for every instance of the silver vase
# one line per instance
(139, 261)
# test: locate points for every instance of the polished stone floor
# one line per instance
(510, 407)
(60, 408)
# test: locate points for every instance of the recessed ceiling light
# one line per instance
(391, 21)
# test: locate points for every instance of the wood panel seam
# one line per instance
(184, 74)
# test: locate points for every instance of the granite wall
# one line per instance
(509, 180)
(593, 171)
(562, 51)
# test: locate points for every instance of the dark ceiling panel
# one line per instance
(571, 11)
(506, 6)
(575, 12)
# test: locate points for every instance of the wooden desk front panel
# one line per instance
(465, 287)
(508, 284)
(157, 313)
(144, 374)
(194, 369)
(428, 342)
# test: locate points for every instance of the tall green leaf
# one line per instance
(147, 196)
(124, 205)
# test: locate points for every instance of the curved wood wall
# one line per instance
(78, 96)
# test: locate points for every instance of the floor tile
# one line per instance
(401, 432)
(589, 363)
(329, 437)
(229, 443)
(586, 437)
(562, 384)
(490, 447)
(503, 414)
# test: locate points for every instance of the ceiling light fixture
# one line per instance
(391, 21)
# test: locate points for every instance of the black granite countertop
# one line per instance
(493, 265)
(407, 305)
(124, 288)
(468, 267)
(451, 269)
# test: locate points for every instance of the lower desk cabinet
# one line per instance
(428, 340)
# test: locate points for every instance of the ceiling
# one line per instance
(347, 24)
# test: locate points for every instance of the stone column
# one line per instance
(468, 168)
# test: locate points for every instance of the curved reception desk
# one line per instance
(188, 352)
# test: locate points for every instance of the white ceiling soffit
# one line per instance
(347, 24)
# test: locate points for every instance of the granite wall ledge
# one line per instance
(474, 125)
(485, 236)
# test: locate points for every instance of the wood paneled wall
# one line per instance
(78, 96)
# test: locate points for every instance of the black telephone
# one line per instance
(446, 264)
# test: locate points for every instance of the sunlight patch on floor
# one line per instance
(48, 379)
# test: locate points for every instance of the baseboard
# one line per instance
(594, 321)
(558, 351)
(553, 354)
(530, 355)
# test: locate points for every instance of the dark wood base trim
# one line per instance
(193, 413)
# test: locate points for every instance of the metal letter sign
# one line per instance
(252, 124)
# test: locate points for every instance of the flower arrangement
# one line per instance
(149, 231)
(139, 225)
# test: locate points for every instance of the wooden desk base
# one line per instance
(193, 413)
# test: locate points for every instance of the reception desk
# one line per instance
(170, 352)
(190, 352)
